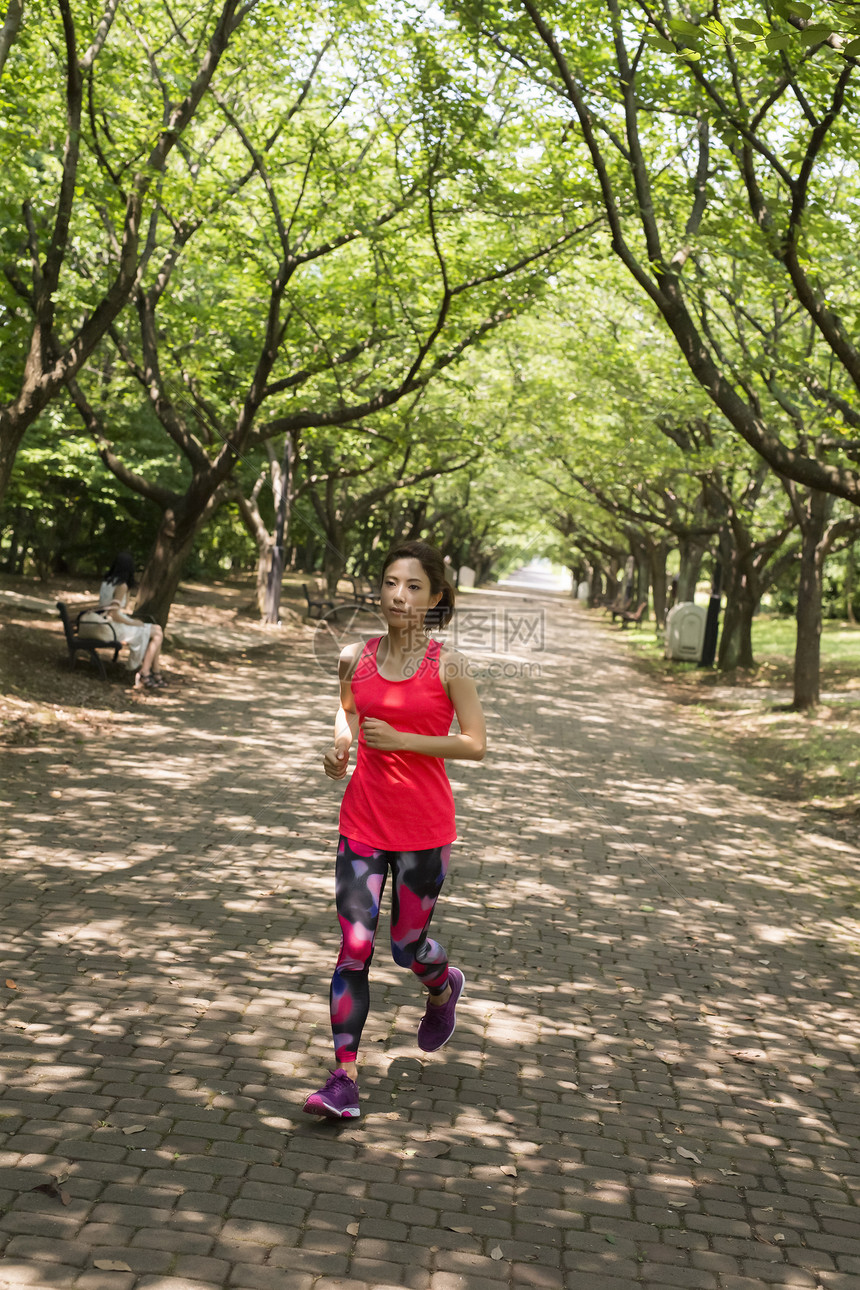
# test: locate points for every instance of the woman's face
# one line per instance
(406, 596)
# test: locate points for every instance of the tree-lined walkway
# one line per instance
(654, 1076)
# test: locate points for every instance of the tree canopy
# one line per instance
(561, 272)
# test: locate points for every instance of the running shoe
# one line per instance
(336, 1100)
(438, 1022)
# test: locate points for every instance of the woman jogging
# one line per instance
(398, 695)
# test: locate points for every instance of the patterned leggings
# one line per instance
(360, 874)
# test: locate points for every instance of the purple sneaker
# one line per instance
(336, 1100)
(437, 1024)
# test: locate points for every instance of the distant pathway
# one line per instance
(654, 1079)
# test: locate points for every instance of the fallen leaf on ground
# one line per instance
(465, 1230)
(111, 1265)
(749, 1055)
(688, 1155)
(352, 1228)
(730, 1173)
(434, 1150)
(510, 1170)
(10, 984)
(51, 1189)
(134, 1128)
(497, 1253)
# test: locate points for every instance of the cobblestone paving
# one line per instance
(654, 1077)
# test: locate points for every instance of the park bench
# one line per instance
(364, 593)
(618, 607)
(88, 637)
(635, 616)
(319, 603)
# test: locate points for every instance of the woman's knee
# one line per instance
(350, 962)
(426, 955)
(402, 955)
(157, 634)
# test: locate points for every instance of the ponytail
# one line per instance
(440, 615)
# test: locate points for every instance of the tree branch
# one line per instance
(161, 496)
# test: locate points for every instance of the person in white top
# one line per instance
(144, 640)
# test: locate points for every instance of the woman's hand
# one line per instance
(336, 760)
(383, 737)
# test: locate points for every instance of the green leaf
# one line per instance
(660, 42)
(852, 50)
(683, 28)
(749, 24)
(778, 42)
(813, 35)
(799, 9)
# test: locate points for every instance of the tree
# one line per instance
(673, 138)
(373, 246)
(72, 249)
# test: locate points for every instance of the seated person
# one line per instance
(144, 640)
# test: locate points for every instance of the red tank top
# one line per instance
(400, 801)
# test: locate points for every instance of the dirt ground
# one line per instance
(653, 1081)
(39, 690)
(810, 759)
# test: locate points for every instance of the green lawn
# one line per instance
(775, 637)
(808, 758)
(773, 647)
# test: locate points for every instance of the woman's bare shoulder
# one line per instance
(349, 656)
(453, 664)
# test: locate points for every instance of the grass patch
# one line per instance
(811, 759)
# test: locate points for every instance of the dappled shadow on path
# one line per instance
(655, 1063)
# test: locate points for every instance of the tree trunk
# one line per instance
(179, 526)
(334, 560)
(643, 580)
(161, 577)
(658, 555)
(850, 583)
(692, 554)
(270, 606)
(736, 641)
(11, 28)
(807, 655)
(13, 427)
(595, 590)
(265, 555)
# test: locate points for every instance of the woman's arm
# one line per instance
(336, 759)
(115, 610)
(471, 742)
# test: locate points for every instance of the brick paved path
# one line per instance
(628, 915)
